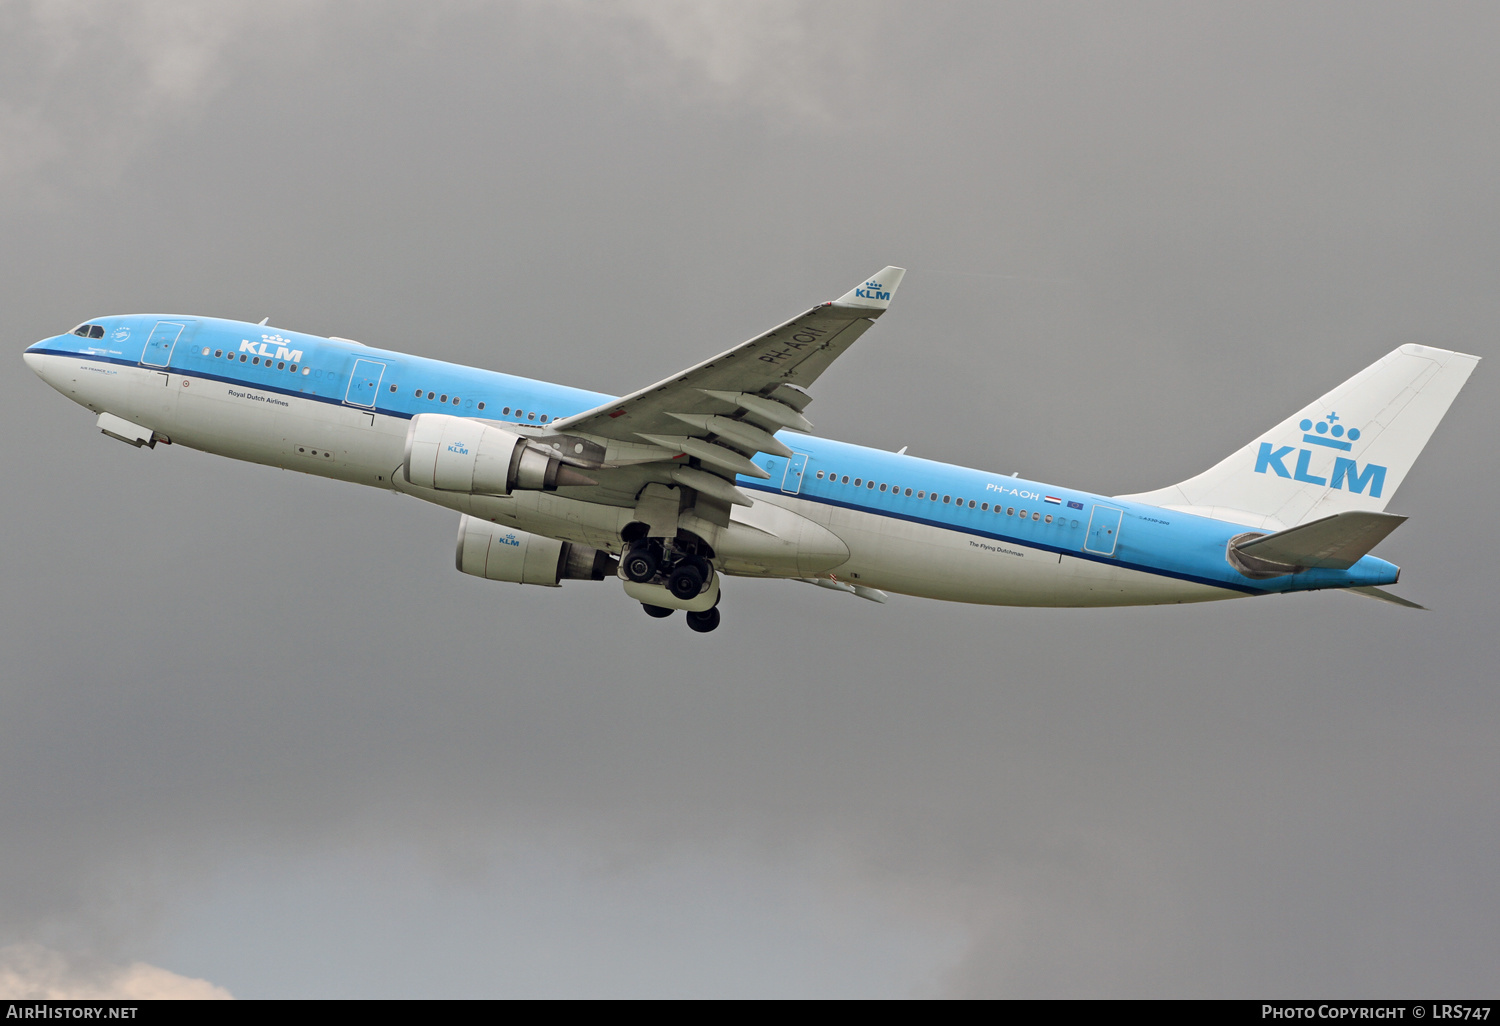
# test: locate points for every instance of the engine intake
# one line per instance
(501, 554)
(458, 454)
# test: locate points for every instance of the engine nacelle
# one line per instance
(502, 554)
(458, 454)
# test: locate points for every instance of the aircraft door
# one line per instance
(791, 482)
(364, 383)
(1104, 530)
(163, 339)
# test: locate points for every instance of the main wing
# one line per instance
(726, 409)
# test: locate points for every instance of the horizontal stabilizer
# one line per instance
(1385, 596)
(1332, 543)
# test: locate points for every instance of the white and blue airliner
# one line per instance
(714, 472)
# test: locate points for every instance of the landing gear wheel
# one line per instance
(686, 582)
(705, 621)
(657, 612)
(640, 563)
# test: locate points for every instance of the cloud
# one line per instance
(32, 972)
(96, 80)
(787, 57)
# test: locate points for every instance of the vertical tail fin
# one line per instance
(1350, 450)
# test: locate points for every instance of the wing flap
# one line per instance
(708, 452)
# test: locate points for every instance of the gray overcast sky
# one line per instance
(255, 730)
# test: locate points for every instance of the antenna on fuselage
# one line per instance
(262, 321)
(901, 451)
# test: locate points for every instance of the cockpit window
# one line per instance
(89, 331)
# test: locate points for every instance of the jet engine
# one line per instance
(458, 454)
(501, 554)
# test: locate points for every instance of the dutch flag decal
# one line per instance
(1053, 499)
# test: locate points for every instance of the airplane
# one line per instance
(714, 472)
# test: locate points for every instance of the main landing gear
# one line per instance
(684, 576)
(641, 560)
(702, 623)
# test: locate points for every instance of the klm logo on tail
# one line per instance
(872, 290)
(1327, 433)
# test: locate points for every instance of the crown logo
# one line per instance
(1329, 432)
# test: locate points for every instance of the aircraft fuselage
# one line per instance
(882, 520)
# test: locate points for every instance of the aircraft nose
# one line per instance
(37, 361)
